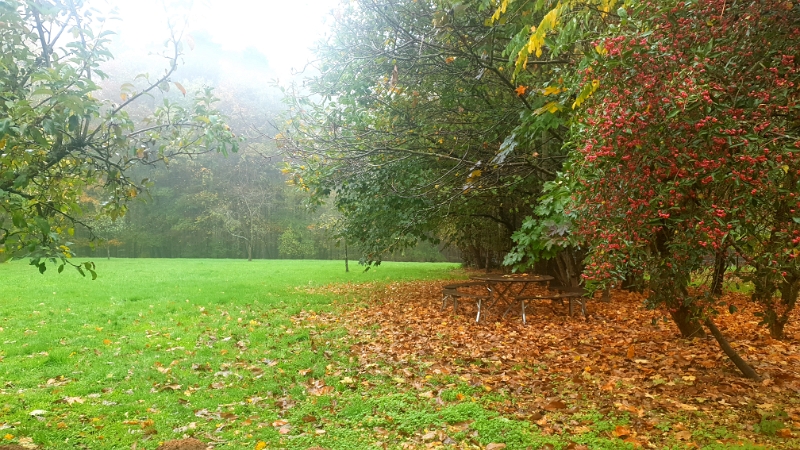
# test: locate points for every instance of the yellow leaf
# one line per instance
(586, 92)
(551, 90)
(261, 445)
(181, 88)
(607, 5)
(500, 10)
(551, 107)
(475, 173)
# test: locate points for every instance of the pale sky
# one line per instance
(277, 32)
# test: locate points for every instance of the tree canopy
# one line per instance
(417, 124)
(59, 138)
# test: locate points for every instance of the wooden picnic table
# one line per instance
(506, 289)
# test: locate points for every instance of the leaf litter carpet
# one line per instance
(622, 360)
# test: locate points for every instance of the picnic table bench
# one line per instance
(500, 289)
(452, 292)
(572, 294)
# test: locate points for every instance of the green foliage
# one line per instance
(771, 422)
(292, 244)
(418, 130)
(547, 233)
(59, 140)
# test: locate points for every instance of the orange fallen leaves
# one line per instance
(622, 358)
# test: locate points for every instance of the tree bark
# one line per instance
(789, 289)
(720, 267)
(633, 282)
(740, 363)
(346, 261)
(687, 324)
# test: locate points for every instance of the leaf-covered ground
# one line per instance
(622, 373)
(300, 355)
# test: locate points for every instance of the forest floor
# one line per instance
(189, 354)
(623, 373)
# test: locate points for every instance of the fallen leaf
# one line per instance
(555, 406)
(622, 431)
(323, 390)
(683, 435)
(429, 436)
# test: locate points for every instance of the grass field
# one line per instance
(227, 351)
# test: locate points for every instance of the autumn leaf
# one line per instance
(323, 390)
(180, 88)
(555, 406)
(520, 90)
(622, 431)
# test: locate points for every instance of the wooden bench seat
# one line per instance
(576, 294)
(452, 292)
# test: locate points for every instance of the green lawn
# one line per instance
(153, 350)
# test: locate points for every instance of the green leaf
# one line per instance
(73, 123)
(18, 219)
(43, 224)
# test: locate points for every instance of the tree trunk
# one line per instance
(669, 286)
(789, 288)
(776, 329)
(346, 261)
(776, 310)
(566, 267)
(633, 282)
(720, 267)
(249, 251)
(740, 363)
(689, 326)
